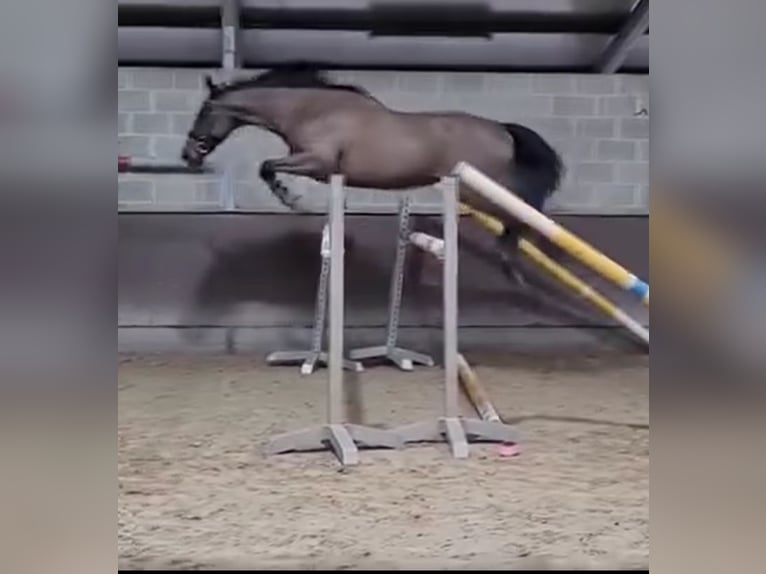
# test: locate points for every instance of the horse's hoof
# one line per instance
(266, 172)
(514, 275)
(520, 281)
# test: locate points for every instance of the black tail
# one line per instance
(537, 168)
(535, 173)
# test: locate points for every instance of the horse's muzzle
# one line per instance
(191, 156)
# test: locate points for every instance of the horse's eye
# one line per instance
(202, 147)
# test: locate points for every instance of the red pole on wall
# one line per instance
(126, 164)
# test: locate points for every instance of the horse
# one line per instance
(334, 128)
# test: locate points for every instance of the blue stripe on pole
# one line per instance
(639, 287)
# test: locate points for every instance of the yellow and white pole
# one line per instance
(564, 275)
(557, 234)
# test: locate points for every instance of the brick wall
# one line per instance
(590, 119)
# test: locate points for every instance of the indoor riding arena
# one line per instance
(317, 373)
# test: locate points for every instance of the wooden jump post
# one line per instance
(390, 350)
(337, 434)
(471, 383)
(315, 356)
(557, 234)
(473, 387)
(456, 430)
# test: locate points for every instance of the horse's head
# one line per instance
(258, 101)
(210, 128)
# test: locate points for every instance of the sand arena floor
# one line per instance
(196, 492)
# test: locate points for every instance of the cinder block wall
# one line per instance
(594, 121)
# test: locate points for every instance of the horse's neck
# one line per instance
(285, 111)
(271, 111)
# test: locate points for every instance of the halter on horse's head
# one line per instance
(209, 129)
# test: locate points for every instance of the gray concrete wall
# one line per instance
(591, 119)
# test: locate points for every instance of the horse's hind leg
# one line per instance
(508, 248)
(506, 244)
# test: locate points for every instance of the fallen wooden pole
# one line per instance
(480, 400)
(475, 391)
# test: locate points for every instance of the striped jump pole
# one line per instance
(557, 234)
(564, 276)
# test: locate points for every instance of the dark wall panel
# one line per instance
(181, 272)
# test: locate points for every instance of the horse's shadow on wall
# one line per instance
(279, 277)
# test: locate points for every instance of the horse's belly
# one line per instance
(390, 155)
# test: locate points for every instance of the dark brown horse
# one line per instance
(331, 128)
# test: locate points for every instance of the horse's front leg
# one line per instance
(307, 164)
(279, 189)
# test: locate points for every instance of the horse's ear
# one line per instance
(211, 86)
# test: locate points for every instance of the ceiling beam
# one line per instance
(201, 47)
(618, 49)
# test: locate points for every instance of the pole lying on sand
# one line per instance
(557, 234)
(565, 276)
(475, 391)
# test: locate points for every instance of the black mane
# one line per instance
(294, 76)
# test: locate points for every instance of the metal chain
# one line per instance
(397, 281)
(320, 310)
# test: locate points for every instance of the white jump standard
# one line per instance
(336, 434)
(451, 427)
(315, 356)
(402, 358)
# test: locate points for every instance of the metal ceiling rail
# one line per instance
(390, 18)
(635, 27)
(459, 35)
(265, 48)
